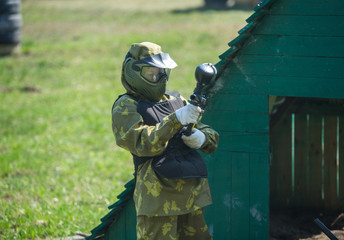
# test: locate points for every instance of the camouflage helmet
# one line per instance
(146, 70)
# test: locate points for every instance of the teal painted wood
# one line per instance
(285, 86)
(218, 215)
(248, 28)
(259, 196)
(239, 121)
(131, 220)
(307, 87)
(290, 66)
(242, 84)
(245, 179)
(240, 196)
(125, 225)
(244, 142)
(238, 113)
(257, 16)
(308, 7)
(238, 183)
(231, 51)
(264, 5)
(296, 25)
(99, 230)
(239, 39)
(116, 229)
(238, 102)
(294, 46)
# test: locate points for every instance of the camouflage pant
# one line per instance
(182, 227)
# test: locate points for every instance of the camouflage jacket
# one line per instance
(155, 195)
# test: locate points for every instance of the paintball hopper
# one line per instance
(205, 75)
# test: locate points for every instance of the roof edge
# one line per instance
(237, 43)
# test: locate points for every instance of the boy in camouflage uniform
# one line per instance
(171, 177)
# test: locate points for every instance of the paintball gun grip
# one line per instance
(189, 129)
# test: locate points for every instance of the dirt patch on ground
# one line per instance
(299, 225)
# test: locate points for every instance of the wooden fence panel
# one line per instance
(301, 163)
(315, 163)
(307, 167)
(341, 158)
(330, 162)
(280, 170)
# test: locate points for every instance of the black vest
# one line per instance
(178, 160)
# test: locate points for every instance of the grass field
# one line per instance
(59, 164)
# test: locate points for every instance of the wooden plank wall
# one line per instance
(124, 227)
(238, 170)
(307, 164)
(298, 44)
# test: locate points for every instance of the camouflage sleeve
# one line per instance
(132, 134)
(212, 138)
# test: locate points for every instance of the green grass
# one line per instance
(59, 164)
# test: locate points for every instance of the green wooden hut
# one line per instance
(279, 112)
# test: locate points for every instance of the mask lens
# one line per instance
(152, 73)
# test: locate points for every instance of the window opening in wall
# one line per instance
(307, 164)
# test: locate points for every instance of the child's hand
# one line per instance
(195, 140)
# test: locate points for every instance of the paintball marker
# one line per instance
(205, 75)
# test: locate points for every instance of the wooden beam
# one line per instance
(282, 45)
(330, 163)
(298, 25)
(301, 189)
(315, 162)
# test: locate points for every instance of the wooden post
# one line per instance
(330, 160)
(280, 171)
(341, 160)
(301, 189)
(315, 158)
